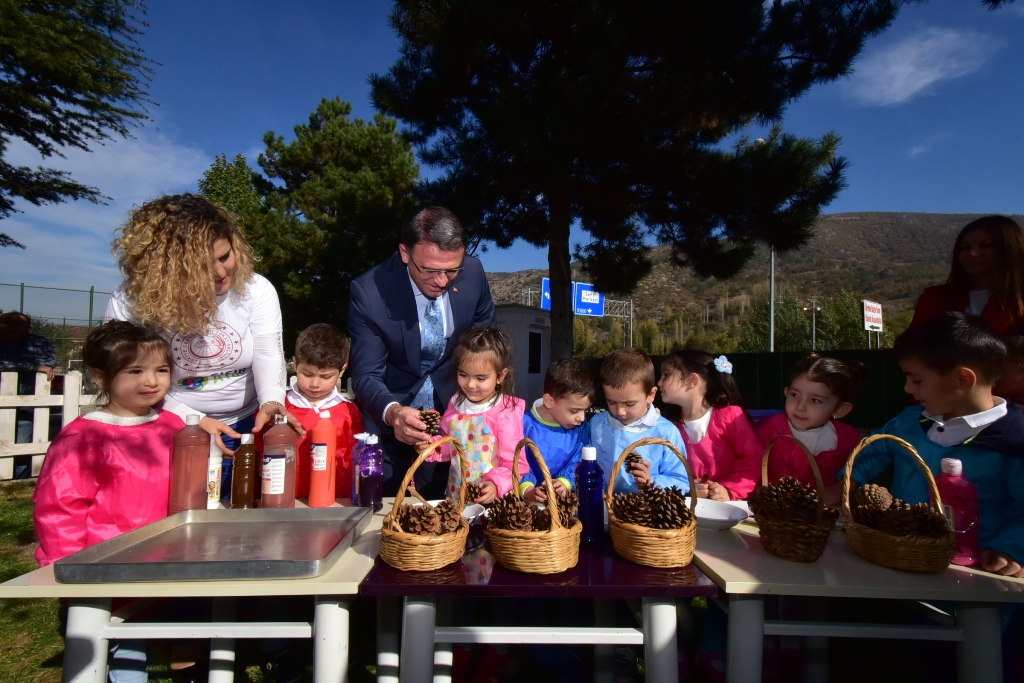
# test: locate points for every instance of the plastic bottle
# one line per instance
(371, 475)
(961, 507)
(243, 478)
(357, 451)
(227, 462)
(190, 461)
(590, 489)
(279, 446)
(213, 477)
(323, 462)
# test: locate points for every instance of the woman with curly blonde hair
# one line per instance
(189, 275)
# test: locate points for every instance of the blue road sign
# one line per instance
(545, 294)
(586, 300)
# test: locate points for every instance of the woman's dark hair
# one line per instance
(481, 339)
(721, 388)
(1008, 278)
(113, 346)
(842, 379)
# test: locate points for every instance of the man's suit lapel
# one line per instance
(403, 309)
(463, 306)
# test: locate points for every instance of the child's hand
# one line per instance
(701, 488)
(1001, 563)
(489, 493)
(718, 492)
(559, 488)
(641, 471)
(536, 494)
(834, 494)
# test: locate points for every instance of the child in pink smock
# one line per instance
(485, 414)
(108, 472)
(720, 442)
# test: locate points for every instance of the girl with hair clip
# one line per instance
(189, 274)
(986, 278)
(720, 442)
(820, 393)
(485, 414)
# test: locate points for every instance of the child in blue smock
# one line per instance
(627, 377)
(951, 363)
(557, 424)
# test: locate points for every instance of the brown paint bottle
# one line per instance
(278, 480)
(190, 462)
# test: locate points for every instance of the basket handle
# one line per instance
(424, 454)
(649, 441)
(848, 475)
(552, 504)
(814, 468)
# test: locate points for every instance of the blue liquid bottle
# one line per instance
(371, 475)
(590, 489)
(357, 452)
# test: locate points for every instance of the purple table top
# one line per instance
(597, 575)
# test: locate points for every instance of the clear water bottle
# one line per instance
(357, 451)
(371, 475)
(590, 489)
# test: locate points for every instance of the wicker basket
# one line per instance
(644, 545)
(412, 552)
(796, 540)
(910, 553)
(537, 552)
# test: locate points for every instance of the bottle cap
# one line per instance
(952, 466)
(589, 453)
(279, 419)
(326, 414)
(361, 436)
(193, 419)
(371, 439)
(247, 439)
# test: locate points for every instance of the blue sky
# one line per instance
(930, 117)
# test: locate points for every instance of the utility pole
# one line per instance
(771, 304)
(814, 309)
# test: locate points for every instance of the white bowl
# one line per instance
(470, 512)
(714, 514)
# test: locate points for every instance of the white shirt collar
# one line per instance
(300, 401)
(649, 419)
(464, 405)
(819, 439)
(955, 431)
(697, 429)
(119, 421)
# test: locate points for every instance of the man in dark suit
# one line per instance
(405, 319)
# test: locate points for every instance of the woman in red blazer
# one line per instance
(987, 277)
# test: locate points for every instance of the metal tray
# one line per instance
(218, 545)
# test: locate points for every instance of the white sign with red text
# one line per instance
(872, 316)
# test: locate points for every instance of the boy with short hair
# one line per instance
(321, 356)
(951, 363)
(556, 423)
(627, 377)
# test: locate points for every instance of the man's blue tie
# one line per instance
(431, 348)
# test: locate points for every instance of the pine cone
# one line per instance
(929, 522)
(873, 494)
(512, 514)
(669, 510)
(423, 520)
(632, 508)
(541, 519)
(901, 522)
(869, 516)
(450, 516)
(432, 419)
(473, 491)
(633, 459)
(568, 507)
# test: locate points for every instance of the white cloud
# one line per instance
(68, 245)
(903, 70)
(927, 146)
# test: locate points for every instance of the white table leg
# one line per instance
(222, 650)
(418, 622)
(661, 655)
(330, 639)
(387, 640)
(746, 639)
(85, 652)
(815, 648)
(604, 655)
(443, 655)
(979, 658)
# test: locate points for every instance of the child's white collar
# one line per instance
(464, 405)
(119, 421)
(299, 401)
(649, 419)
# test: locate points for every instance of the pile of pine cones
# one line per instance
(789, 500)
(653, 507)
(877, 509)
(427, 520)
(515, 514)
(432, 419)
(473, 491)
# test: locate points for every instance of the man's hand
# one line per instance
(489, 493)
(641, 471)
(408, 426)
(1001, 563)
(536, 494)
(718, 492)
(48, 370)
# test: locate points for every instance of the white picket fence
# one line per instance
(71, 404)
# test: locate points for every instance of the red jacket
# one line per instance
(788, 460)
(942, 298)
(729, 453)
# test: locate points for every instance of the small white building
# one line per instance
(529, 328)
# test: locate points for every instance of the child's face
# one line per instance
(809, 404)
(316, 383)
(628, 404)
(678, 389)
(939, 392)
(140, 386)
(569, 410)
(478, 379)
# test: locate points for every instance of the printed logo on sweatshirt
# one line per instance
(200, 353)
(199, 383)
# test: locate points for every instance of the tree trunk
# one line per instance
(559, 221)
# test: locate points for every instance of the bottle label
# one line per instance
(950, 516)
(213, 484)
(320, 457)
(273, 475)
